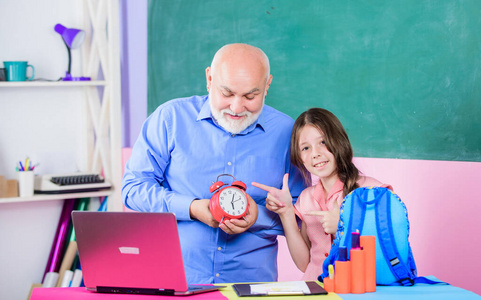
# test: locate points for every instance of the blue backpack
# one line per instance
(379, 212)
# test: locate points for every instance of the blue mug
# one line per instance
(17, 70)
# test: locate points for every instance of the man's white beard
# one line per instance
(233, 126)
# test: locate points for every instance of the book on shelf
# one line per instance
(66, 279)
(77, 278)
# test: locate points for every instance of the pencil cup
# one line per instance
(329, 285)
(25, 183)
(358, 271)
(342, 277)
(368, 244)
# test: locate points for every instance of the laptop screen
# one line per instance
(129, 249)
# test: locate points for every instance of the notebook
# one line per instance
(132, 253)
(287, 288)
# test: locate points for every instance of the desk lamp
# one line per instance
(72, 39)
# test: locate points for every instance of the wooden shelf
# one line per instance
(47, 197)
(23, 84)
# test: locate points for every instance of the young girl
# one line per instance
(320, 148)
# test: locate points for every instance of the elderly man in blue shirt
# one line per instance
(185, 144)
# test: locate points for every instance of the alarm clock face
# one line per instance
(232, 201)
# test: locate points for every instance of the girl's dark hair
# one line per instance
(337, 143)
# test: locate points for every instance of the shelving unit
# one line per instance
(45, 197)
(65, 126)
(101, 136)
(26, 84)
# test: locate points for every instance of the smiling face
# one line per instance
(315, 156)
(238, 81)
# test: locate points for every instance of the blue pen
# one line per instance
(21, 166)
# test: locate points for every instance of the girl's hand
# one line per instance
(278, 201)
(329, 218)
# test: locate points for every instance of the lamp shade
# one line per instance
(72, 37)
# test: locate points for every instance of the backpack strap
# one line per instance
(403, 274)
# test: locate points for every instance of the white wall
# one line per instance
(42, 123)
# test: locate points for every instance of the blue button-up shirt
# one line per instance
(179, 154)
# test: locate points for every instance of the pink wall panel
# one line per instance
(444, 207)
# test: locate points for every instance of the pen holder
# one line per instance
(329, 284)
(368, 244)
(358, 271)
(25, 183)
(342, 277)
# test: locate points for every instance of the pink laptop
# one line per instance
(132, 253)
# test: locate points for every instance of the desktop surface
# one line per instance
(418, 291)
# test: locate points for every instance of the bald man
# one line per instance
(186, 143)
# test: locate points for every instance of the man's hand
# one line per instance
(199, 209)
(329, 219)
(235, 226)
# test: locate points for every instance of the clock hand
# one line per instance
(232, 202)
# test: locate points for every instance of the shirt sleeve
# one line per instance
(143, 186)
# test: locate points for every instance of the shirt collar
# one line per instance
(319, 193)
(205, 110)
(205, 114)
(336, 188)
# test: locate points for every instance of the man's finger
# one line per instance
(234, 226)
(225, 229)
(239, 222)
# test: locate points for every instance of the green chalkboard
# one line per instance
(403, 76)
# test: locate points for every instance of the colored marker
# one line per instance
(342, 253)
(331, 271)
(355, 240)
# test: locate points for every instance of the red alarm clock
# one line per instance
(228, 202)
